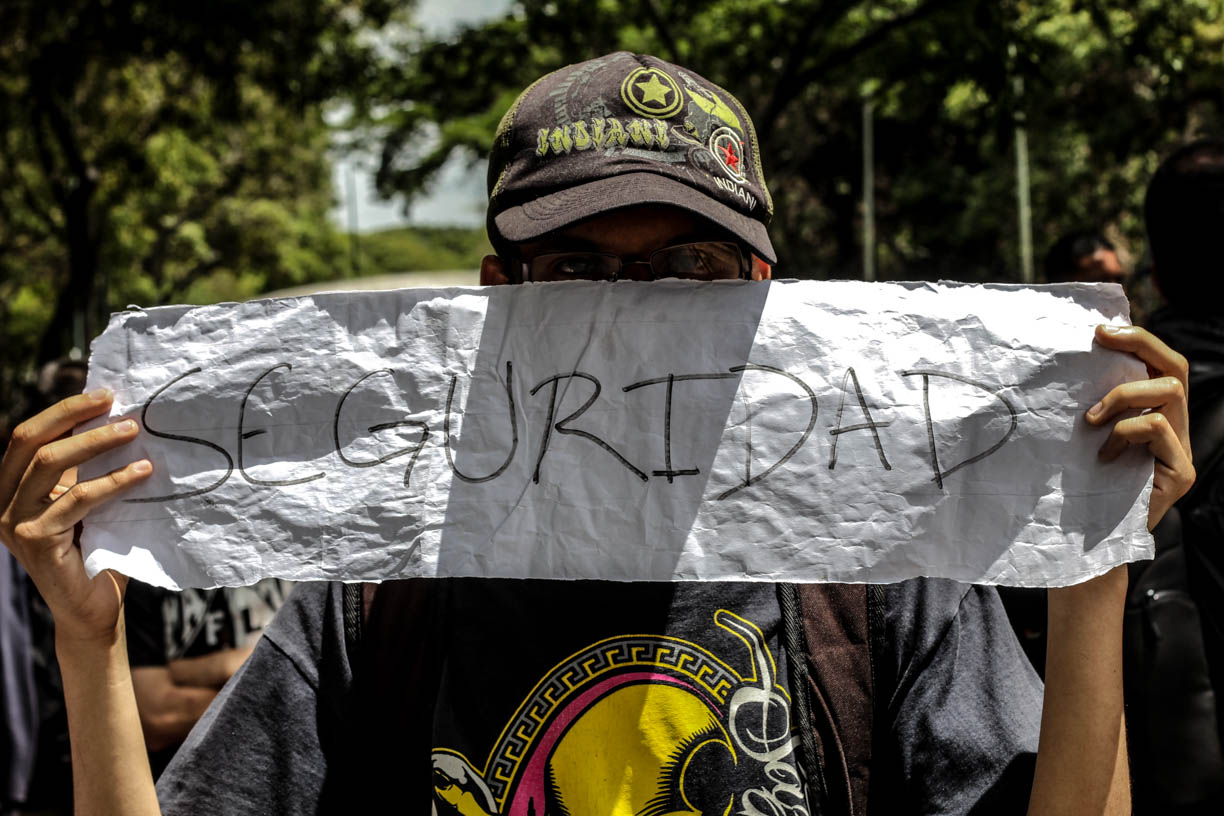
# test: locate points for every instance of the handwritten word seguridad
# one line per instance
(851, 391)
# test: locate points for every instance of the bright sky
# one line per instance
(459, 194)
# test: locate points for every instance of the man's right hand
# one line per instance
(41, 503)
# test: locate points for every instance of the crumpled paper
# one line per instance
(670, 431)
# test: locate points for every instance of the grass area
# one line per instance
(410, 249)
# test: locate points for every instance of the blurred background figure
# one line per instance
(34, 733)
(18, 704)
(1084, 256)
(1174, 667)
(184, 646)
(60, 379)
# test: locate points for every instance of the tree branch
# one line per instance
(154, 263)
(61, 129)
(788, 89)
(197, 272)
(50, 168)
(35, 207)
(663, 29)
(819, 18)
(12, 179)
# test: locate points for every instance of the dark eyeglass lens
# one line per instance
(706, 261)
(573, 266)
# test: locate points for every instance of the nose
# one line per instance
(636, 271)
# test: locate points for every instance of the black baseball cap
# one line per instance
(619, 131)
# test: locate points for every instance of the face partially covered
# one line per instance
(632, 234)
(1102, 266)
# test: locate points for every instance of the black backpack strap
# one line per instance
(394, 634)
(354, 618)
(887, 783)
(795, 643)
(833, 669)
(883, 667)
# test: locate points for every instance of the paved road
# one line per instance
(400, 280)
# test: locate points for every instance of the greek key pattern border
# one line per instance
(682, 658)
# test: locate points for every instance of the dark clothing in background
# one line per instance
(1174, 632)
(163, 625)
(18, 703)
(1027, 610)
(50, 788)
(1201, 339)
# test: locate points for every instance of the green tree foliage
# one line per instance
(152, 150)
(156, 150)
(1104, 88)
(423, 248)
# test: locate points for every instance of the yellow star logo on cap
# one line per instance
(653, 91)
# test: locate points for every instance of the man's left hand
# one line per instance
(1164, 424)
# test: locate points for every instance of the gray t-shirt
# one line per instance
(559, 697)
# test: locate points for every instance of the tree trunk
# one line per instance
(74, 181)
(72, 322)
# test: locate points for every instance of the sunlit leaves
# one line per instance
(1103, 86)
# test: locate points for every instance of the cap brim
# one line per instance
(554, 211)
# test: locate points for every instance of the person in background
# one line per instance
(1083, 256)
(18, 703)
(1174, 632)
(184, 646)
(39, 766)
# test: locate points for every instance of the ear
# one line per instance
(493, 271)
(760, 269)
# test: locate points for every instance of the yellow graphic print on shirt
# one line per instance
(639, 726)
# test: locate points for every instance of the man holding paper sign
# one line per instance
(493, 696)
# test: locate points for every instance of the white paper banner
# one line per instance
(794, 431)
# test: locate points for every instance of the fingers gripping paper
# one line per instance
(672, 431)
